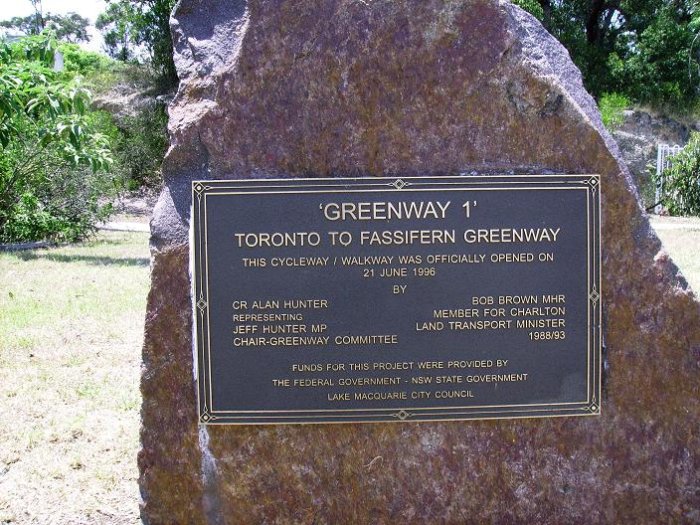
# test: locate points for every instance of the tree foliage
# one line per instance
(157, 18)
(53, 153)
(130, 25)
(647, 50)
(119, 27)
(533, 6)
(68, 28)
(141, 147)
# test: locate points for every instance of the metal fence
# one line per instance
(663, 161)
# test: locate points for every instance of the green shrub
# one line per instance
(681, 181)
(99, 72)
(45, 196)
(54, 166)
(611, 107)
(85, 63)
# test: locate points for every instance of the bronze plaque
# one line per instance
(396, 299)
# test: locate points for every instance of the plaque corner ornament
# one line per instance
(199, 188)
(205, 416)
(593, 408)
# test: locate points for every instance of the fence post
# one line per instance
(659, 182)
(663, 152)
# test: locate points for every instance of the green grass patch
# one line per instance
(71, 329)
(90, 284)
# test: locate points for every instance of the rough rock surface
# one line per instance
(126, 100)
(374, 87)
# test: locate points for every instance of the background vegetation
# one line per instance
(63, 159)
(56, 151)
(681, 181)
(638, 53)
(133, 26)
(646, 50)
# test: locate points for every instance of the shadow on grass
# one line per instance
(91, 243)
(90, 259)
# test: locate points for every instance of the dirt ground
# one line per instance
(71, 329)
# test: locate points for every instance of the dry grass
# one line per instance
(681, 238)
(71, 325)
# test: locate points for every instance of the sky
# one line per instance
(85, 8)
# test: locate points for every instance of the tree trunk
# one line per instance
(593, 31)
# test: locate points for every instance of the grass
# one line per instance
(681, 239)
(71, 326)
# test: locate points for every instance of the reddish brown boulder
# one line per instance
(367, 87)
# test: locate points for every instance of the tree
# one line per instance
(640, 48)
(52, 154)
(655, 64)
(156, 35)
(118, 24)
(27, 25)
(69, 28)
(128, 24)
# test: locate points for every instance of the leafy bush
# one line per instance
(611, 106)
(138, 141)
(681, 181)
(64, 209)
(81, 62)
(55, 160)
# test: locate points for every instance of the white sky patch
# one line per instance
(89, 9)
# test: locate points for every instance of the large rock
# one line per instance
(373, 87)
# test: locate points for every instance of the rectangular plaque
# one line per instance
(397, 299)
